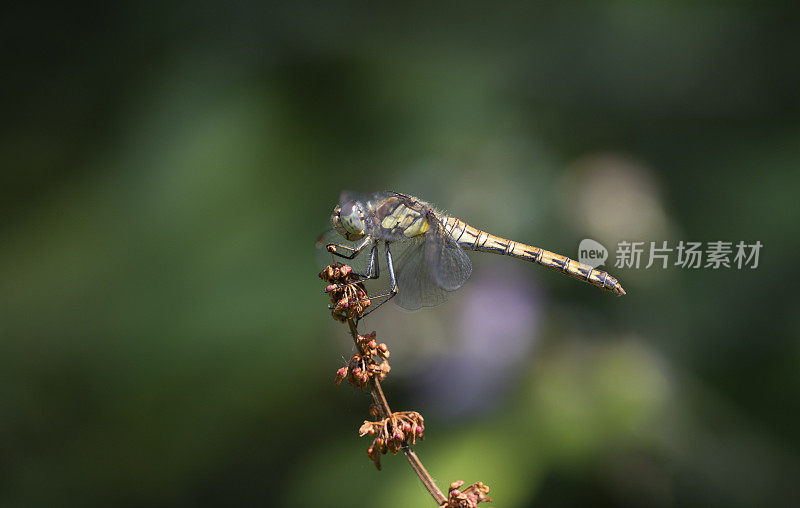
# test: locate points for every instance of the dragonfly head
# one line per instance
(348, 219)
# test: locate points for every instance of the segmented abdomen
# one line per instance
(471, 238)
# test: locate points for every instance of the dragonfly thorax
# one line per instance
(348, 219)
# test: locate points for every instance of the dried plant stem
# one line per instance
(424, 476)
(383, 406)
(380, 398)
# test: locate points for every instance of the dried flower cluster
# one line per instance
(368, 362)
(467, 498)
(392, 432)
(349, 298)
(399, 430)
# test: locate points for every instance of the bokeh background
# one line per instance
(167, 168)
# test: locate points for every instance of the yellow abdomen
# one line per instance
(471, 238)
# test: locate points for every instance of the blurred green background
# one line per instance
(167, 168)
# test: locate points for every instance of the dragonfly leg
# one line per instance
(373, 271)
(354, 251)
(392, 283)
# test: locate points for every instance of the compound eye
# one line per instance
(348, 208)
(350, 215)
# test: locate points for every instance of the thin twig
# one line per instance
(424, 476)
(383, 406)
(380, 398)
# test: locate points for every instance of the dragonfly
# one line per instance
(429, 247)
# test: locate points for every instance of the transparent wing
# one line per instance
(428, 268)
(347, 195)
(448, 263)
(415, 282)
(374, 198)
(323, 257)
